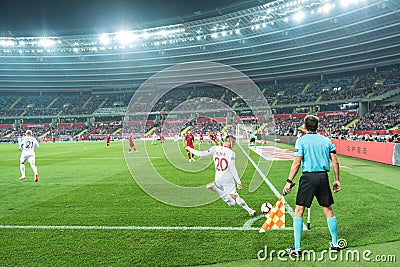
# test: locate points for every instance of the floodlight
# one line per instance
(46, 42)
(299, 16)
(162, 33)
(327, 7)
(105, 39)
(346, 3)
(146, 35)
(125, 37)
(7, 43)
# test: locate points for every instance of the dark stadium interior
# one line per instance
(156, 133)
(80, 85)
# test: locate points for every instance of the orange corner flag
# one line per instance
(276, 216)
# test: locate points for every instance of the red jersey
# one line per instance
(131, 140)
(108, 138)
(189, 138)
(201, 137)
(212, 136)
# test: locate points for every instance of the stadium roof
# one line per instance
(26, 17)
(271, 41)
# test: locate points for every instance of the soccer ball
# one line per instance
(266, 207)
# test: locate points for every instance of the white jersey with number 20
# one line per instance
(224, 161)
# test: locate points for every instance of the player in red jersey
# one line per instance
(162, 138)
(201, 138)
(131, 144)
(215, 138)
(108, 139)
(189, 140)
(211, 136)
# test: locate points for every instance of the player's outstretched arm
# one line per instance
(200, 153)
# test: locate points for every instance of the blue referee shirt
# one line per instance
(315, 150)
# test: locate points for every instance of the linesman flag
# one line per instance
(276, 217)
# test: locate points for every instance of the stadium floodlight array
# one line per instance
(22, 42)
(232, 25)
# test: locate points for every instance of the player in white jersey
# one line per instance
(225, 173)
(27, 145)
(176, 139)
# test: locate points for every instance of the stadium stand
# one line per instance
(367, 85)
(80, 88)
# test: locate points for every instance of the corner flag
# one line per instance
(276, 217)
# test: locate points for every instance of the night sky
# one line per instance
(94, 15)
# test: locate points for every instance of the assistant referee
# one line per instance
(314, 153)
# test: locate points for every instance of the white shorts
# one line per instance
(27, 157)
(228, 186)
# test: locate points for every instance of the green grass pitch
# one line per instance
(87, 184)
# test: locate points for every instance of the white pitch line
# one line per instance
(42, 156)
(249, 223)
(176, 228)
(55, 159)
(267, 181)
(271, 186)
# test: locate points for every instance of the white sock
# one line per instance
(224, 196)
(22, 168)
(229, 200)
(34, 168)
(242, 203)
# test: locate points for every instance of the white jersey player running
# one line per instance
(27, 145)
(225, 173)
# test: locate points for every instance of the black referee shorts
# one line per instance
(252, 140)
(314, 184)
